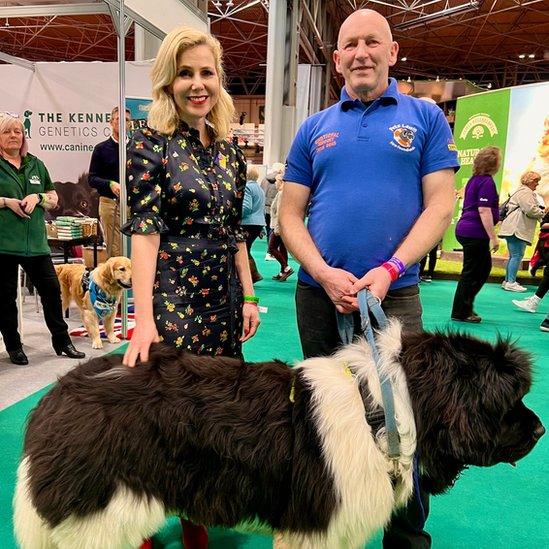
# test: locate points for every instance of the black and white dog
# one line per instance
(111, 451)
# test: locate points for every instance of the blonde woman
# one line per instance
(519, 226)
(185, 181)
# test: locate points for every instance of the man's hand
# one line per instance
(494, 244)
(14, 205)
(338, 284)
(376, 280)
(115, 188)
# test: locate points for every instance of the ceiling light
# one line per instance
(409, 79)
(531, 55)
(404, 59)
(436, 16)
(522, 56)
(438, 79)
(7, 23)
(489, 85)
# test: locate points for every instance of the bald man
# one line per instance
(376, 172)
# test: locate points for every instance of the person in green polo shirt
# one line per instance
(26, 190)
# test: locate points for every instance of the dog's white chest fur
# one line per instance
(359, 463)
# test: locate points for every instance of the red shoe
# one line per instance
(195, 536)
(147, 544)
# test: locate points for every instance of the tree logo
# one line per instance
(477, 125)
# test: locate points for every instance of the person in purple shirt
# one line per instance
(475, 232)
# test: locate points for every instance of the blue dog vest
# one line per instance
(103, 304)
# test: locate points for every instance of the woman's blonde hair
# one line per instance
(252, 173)
(487, 161)
(163, 115)
(527, 178)
(7, 122)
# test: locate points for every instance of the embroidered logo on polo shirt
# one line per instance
(326, 141)
(34, 180)
(403, 137)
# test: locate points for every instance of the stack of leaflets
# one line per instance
(68, 227)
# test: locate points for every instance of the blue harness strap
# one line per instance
(103, 304)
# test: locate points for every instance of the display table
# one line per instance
(68, 244)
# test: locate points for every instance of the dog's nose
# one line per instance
(539, 431)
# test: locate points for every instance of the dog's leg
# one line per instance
(288, 540)
(30, 530)
(108, 323)
(280, 542)
(92, 326)
(124, 523)
(65, 297)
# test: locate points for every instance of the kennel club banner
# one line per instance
(517, 121)
(65, 109)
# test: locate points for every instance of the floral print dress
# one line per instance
(192, 195)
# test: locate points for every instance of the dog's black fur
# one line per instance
(212, 436)
(219, 440)
(76, 199)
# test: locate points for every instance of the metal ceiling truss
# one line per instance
(244, 48)
(483, 46)
(48, 10)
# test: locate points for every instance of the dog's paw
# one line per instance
(114, 339)
(97, 344)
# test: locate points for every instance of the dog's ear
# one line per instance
(101, 274)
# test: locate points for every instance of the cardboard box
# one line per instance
(87, 254)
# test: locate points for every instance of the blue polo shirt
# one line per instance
(364, 165)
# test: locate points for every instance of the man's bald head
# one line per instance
(367, 17)
(365, 51)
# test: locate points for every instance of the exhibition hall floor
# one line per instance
(497, 508)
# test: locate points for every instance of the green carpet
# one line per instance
(496, 508)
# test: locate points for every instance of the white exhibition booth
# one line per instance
(65, 105)
(66, 108)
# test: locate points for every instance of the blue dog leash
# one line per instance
(370, 305)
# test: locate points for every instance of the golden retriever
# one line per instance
(98, 299)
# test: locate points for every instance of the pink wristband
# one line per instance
(392, 270)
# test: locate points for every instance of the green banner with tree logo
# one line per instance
(481, 120)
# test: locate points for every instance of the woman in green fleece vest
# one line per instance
(26, 190)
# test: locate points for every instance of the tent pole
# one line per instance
(122, 148)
